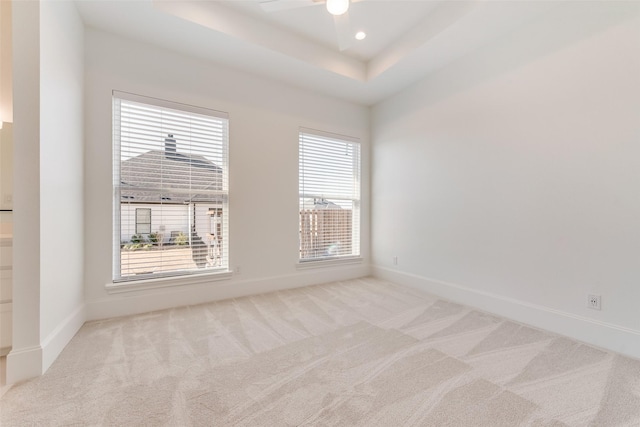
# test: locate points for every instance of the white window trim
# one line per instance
(176, 278)
(167, 281)
(170, 104)
(328, 262)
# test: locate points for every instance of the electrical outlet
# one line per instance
(395, 260)
(594, 302)
(237, 270)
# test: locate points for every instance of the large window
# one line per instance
(170, 165)
(329, 174)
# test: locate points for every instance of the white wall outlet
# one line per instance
(594, 301)
(237, 270)
(395, 260)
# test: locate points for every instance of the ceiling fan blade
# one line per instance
(343, 31)
(278, 5)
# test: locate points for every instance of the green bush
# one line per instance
(181, 239)
(138, 238)
(137, 246)
(155, 237)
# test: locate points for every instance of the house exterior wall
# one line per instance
(165, 219)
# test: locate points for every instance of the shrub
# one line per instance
(181, 239)
(155, 238)
(138, 238)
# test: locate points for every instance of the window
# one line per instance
(143, 221)
(329, 174)
(170, 164)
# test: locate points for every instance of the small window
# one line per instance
(171, 166)
(143, 221)
(329, 199)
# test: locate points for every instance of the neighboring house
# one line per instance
(186, 206)
(318, 204)
(324, 204)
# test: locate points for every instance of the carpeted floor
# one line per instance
(362, 352)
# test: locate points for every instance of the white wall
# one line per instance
(61, 170)
(6, 280)
(25, 359)
(6, 177)
(510, 179)
(6, 166)
(6, 63)
(48, 184)
(264, 120)
(6, 239)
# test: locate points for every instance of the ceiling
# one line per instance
(406, 40)
(384, 21)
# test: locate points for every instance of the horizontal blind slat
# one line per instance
(329, 178)
(171, 182)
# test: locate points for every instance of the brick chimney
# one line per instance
(170, 146)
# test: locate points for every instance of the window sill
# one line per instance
(328, 262)
(165, 282)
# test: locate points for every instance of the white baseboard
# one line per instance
(606, 335)
(30, 362)
(23, 364)
(58, 339)
(129, 303)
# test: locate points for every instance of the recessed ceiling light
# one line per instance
(360, 35)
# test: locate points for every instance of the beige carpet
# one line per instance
(363, 352)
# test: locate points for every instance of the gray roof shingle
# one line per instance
(186, 178)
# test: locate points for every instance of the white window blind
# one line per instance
(329, 175)
(170, 172)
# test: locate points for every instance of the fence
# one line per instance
(325, 233)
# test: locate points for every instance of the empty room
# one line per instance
(320, 213)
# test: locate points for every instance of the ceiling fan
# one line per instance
(337, 8)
